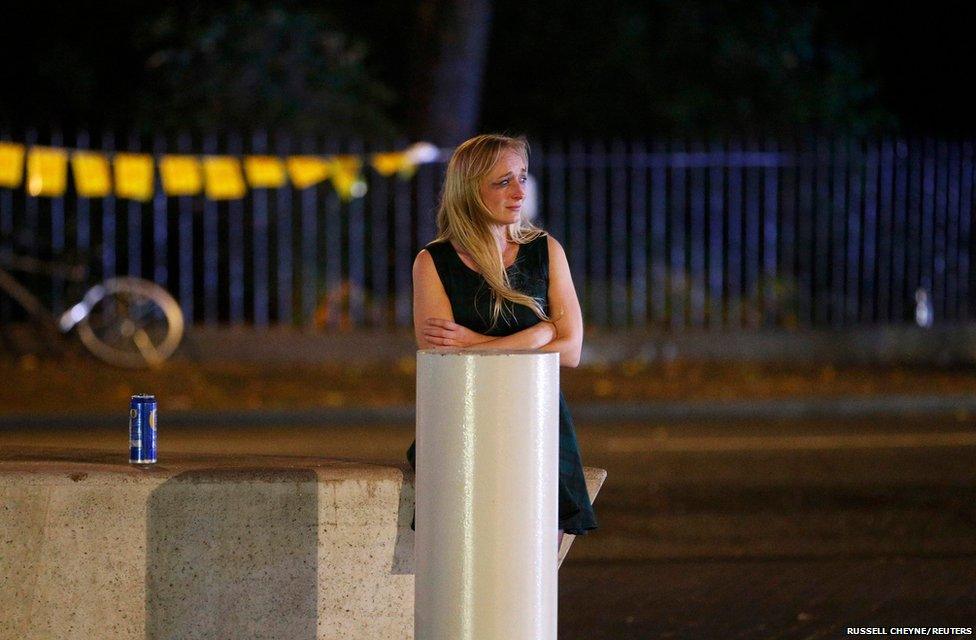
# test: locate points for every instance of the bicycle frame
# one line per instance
(22, 295)
(138, 322)
(30, 303)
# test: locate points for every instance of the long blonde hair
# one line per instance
(464, 218)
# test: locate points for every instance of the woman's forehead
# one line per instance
(509, 161)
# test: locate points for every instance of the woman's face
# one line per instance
(503, 189)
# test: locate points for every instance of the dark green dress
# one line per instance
(470, 298)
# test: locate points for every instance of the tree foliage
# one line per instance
(678, 65)
(616, 67)
(248, 67)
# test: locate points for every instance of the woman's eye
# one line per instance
(523, 179)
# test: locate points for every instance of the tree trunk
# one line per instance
(448, 62)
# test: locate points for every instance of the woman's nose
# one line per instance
(519, 192)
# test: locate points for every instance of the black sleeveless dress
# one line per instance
(470, 298)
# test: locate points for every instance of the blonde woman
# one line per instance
(493, 280)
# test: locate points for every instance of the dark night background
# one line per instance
(617, 68)
(780, 357)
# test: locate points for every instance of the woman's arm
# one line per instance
(564, 308)
(429, 298)
(456, 335)
(433, 319)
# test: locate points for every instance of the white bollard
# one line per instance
(487, 495)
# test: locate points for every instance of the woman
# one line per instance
(493, 280)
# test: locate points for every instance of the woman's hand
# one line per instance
(445, 333)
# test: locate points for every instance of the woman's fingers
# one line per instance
(440, 338)
(450, 332)
(441, 322)
(443, 333)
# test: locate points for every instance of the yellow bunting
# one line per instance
(223, 178)
(47, 171)
(11, 164)
(399, 162)
(345, 177)
(134, 176)
(305, 171)
(264, 172)
(92, 175)
(181, 175)
(220, 177)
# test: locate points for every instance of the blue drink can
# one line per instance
(142, 429)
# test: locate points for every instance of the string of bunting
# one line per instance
(218, 177)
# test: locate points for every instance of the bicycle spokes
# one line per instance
(131, 322)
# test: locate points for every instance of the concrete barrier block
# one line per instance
(69, 554)
(202, 548)
(205, 547)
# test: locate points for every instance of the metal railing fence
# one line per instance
(667, 234)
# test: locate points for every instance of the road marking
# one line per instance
(662, 442)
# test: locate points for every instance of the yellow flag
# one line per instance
(47, 171)
(264, 172)
(134, 176)
(11, 164)
(92, 176)
(305, 171)
(400, 162)
(223, 178)
(345, 177)
(180, 175)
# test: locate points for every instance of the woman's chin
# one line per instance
(506, 220)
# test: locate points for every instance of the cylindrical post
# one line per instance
(487, 495)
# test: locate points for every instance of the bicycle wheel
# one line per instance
(131, 322)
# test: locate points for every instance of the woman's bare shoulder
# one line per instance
(423, 260)
(554, 245)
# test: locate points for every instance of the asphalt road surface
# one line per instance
(746, 530)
